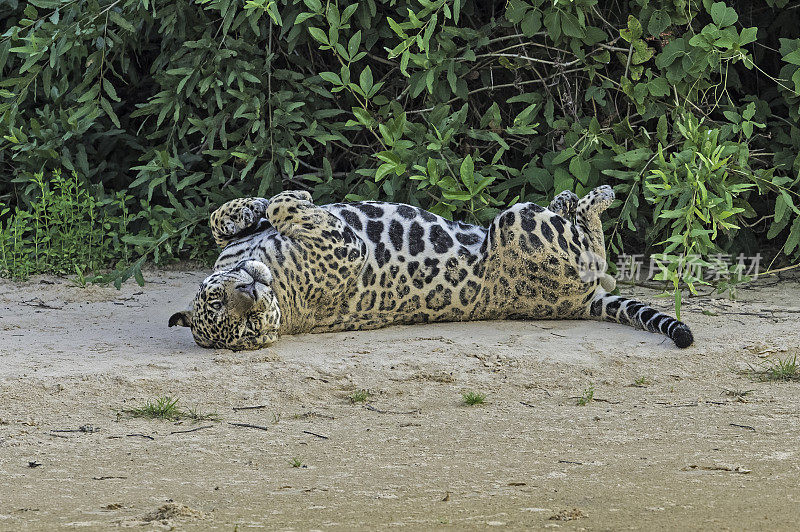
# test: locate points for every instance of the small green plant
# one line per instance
(296, 462)
(587, 397)
(474, 398)
(359, 396)
(642, 382)
(65, 229)
(782, 369)
(166, 407)
(698, 193)
(162, 408)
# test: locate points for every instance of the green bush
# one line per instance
(689, 109)
(66, 228)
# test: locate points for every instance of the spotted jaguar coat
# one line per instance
(289, 266)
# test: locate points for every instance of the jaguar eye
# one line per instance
(215, 305)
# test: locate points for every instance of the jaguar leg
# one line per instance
(235, 218)
(564, 204)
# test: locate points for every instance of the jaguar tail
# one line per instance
(627, 311)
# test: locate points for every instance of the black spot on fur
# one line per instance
(438, 298)
(415, 235)
(547, 231)
(372, 211)
(368, 277)
(427, 216)
(468, 239)
(382, 254)
(374, 230)
(407, 212)
(506, 219)
(558, 224)
(527, 221)
(352, 219)
(468, 293)
(396, 234)
(440, 239)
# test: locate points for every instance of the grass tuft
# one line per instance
(296, 462)
(474, 398)
(782, 369)
(167, 408)
(587, 397)
(359, 396)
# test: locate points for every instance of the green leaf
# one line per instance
(531, 23)
(331, 77)
(314, 5)
(748, 35)
(363, 116)
(670, 53)
(121, 22)
(794, 237)
(354, 43)
(562, 181)
(365, 80)
(302, 17)
(563, 155)
(318, 35)
(662, 130)
(109, 89)
(109, 111)
(580, 168)
(781, 208)
(659, 21)
(467, 171)
(722, 15)
(793, 57)
(571, 27)
(658, 87)
(384, 170)
(633, 31)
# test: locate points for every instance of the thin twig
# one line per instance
(315, 434)
(142, 436)
(237, 408)
(191, 430)
(378, 410)
(248, 425)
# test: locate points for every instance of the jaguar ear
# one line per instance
(182, 318)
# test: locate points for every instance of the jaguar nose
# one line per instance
(249, 289)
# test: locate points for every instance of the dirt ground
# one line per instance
(696, 444)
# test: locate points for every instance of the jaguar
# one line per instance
(289, 266)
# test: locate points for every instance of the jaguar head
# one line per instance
(234, 309)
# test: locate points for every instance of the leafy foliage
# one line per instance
(65, 230)
(690, 109)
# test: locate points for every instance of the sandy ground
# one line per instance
(683, 450)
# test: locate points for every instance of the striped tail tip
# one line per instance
(619, 309)
(682, 336)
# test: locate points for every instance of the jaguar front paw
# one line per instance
(564, 204)
(235, 217)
